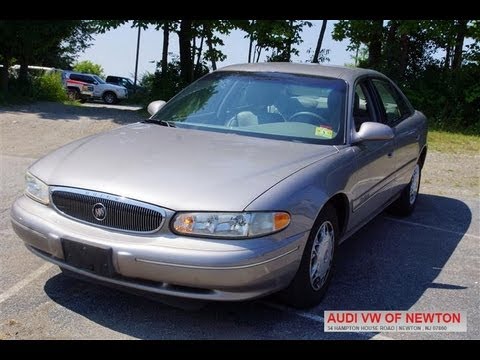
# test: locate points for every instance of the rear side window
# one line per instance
(395, 108)
(79, 77)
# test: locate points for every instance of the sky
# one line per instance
(116, 49)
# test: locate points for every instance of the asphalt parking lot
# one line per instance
(429, 261)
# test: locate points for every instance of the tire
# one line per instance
(109, 98)
(73, 94)
(306, 291)
(405, 204)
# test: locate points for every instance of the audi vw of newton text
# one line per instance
(241, 185)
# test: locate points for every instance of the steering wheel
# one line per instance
(308, 113)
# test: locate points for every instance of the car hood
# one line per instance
(180, 169)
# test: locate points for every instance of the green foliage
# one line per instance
(451, 100)
(88, 67)
(446, 90)
(49, 87)
(159, 86)
(40, 42)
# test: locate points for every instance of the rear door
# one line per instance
(397, 113)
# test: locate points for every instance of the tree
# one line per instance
(368, 32)
(319, 42)
(88, 67)
(279, 36)
(44, 43)
(190, 33)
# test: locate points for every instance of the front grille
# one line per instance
(116, 213)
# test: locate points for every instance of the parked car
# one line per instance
(126, 82)
(242, 185)
(109, 93)
(77, 89)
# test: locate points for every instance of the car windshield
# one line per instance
(262, 104)
(99, 79)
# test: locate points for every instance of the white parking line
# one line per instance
(319, 318)
(22, 283)
(431, 227)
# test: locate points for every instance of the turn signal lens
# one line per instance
(281, 220)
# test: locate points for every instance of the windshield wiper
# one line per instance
(159, 122)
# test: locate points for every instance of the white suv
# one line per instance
(109, 93)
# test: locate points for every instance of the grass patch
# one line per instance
(72, 103)
(454, 143)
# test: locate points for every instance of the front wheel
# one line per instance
(405, 204)
(73, 94)
(315, 272)
(109, 97)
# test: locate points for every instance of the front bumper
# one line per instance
(165, 263)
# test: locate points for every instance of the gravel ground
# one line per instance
(429, 261)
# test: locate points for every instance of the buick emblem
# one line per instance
(99, 211)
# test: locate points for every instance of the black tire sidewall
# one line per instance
(300, 292)
(402, 206)
(112, 94)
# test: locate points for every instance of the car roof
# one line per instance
(348, 74)
(79, 73)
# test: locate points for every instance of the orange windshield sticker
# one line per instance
(324, 131)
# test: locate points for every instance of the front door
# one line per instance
(374, 176)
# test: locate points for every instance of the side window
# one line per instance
(394, 108)
(89, 79)
(362, 110)
(75, 77)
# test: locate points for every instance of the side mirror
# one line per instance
(154, 106)
(370, 131)
(95, 83)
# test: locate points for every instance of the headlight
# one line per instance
(230, 225)
(36, 189)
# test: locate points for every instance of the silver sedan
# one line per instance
(242, 185)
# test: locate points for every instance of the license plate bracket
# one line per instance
(95, 259)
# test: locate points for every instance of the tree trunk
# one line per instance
(4, 75)
(319, 42)
(210, 48)
(259, 52)
(250, 46)
(199, 57)
(166, 35)
(402, 66)
(391, 47)
(457, 55)
(375, 45)
(184, 42)
(288, 48)
(23, 72)
(447, 57)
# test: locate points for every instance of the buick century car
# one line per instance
(242, 185)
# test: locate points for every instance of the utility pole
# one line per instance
(136, 61)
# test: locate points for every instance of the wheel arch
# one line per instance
(423, 155)
(341, 205)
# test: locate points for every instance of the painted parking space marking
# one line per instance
(25, 281)
(430, 227)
